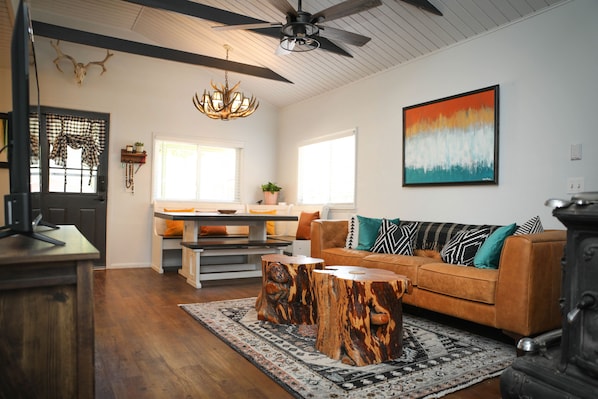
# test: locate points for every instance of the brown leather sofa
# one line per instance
(521, 297)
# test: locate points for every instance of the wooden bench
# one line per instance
(209, 247)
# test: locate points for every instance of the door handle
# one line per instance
(101, 188)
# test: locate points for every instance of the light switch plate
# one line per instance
(575, 152)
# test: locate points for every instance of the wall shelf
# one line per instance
(132, 157)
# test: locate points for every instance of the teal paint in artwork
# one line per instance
(454, 174)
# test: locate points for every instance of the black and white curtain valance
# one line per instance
(78, 133)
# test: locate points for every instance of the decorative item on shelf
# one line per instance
(225, 103)
(129, 158)
(227, 211)
(271, 193)
(139, 147)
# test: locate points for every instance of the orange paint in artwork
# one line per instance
(455, 112)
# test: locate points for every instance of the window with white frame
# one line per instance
(327, 170)
(196, 171)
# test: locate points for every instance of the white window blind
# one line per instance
(327, 170)
(195, 171)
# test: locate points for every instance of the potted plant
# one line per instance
(138, 146)
(271, 193)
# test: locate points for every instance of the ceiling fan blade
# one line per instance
(248, 26)
(197, 10)
(343, 36)
(284, 7)
(328, 45)
(344, 9)
(425, 5)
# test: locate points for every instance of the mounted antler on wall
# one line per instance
(79, 68)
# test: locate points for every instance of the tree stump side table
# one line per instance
(360, 316)
(287, 295)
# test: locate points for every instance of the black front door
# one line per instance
(71, 172)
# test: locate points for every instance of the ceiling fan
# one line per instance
(304, 31)
(229, 18)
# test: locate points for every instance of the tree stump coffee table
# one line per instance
(360, 317)
(287, 295)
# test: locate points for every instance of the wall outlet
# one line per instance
(575, 185)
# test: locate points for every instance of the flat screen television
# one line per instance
(18, 214)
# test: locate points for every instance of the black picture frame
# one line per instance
(452, 140)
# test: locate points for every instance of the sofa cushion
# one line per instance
(270, 226)
(368, 231)
(174, 228)
(435, 235)
(461, 249)
(353, 233)
(488, 256)
(343, 256)
(428, 253)
(393, 239)
(401, 264)
(469, 283)
(304, 226)
(532, 226)
(213, 231)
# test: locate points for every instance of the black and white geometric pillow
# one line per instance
(393, 239)
(461, 249)
(532, 226)
(353, 236)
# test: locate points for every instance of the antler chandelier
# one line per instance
(225, 103)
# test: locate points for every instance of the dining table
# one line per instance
(195, 246)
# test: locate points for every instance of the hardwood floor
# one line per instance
(147, 347)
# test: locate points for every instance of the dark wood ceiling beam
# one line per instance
(148, 50)
(425, 5)
(198, 11)
(213, 14)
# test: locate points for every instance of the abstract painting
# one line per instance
(453, 140)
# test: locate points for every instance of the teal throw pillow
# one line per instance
(488, 256)
(368, 231)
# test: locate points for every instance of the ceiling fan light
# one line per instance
(287, 43)
(299, 44)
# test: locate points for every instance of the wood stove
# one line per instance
(567, 369)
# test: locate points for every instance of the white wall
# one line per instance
(145, 96)
(546, 69)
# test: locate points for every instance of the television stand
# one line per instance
(6, 231)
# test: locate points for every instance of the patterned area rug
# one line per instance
(436, 360)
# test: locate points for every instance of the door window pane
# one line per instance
(75, 177)
(75, 144)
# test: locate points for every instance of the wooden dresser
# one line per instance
(46, 316)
